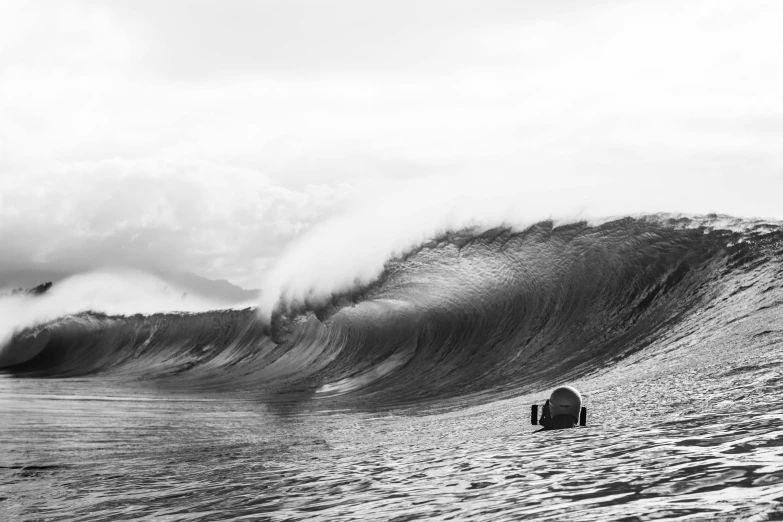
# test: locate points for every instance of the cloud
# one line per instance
(203, 40)
(206, 137)
(207, 219)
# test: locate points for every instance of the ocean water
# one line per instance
(409, 398)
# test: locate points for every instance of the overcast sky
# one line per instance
(207, 136)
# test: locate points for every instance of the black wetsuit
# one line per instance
(557, 423)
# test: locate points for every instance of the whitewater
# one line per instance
(397, 385)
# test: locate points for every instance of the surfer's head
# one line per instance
(565, 403)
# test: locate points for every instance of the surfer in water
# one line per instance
(562, 410)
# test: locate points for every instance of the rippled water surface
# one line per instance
(667, 439)
(411, 401)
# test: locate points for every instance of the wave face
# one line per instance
(478, 315)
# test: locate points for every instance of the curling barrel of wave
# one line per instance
(483, 314)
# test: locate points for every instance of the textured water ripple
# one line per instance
(88, 460)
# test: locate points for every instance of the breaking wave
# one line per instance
(480, 313)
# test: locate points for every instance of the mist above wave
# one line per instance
(351, 250)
